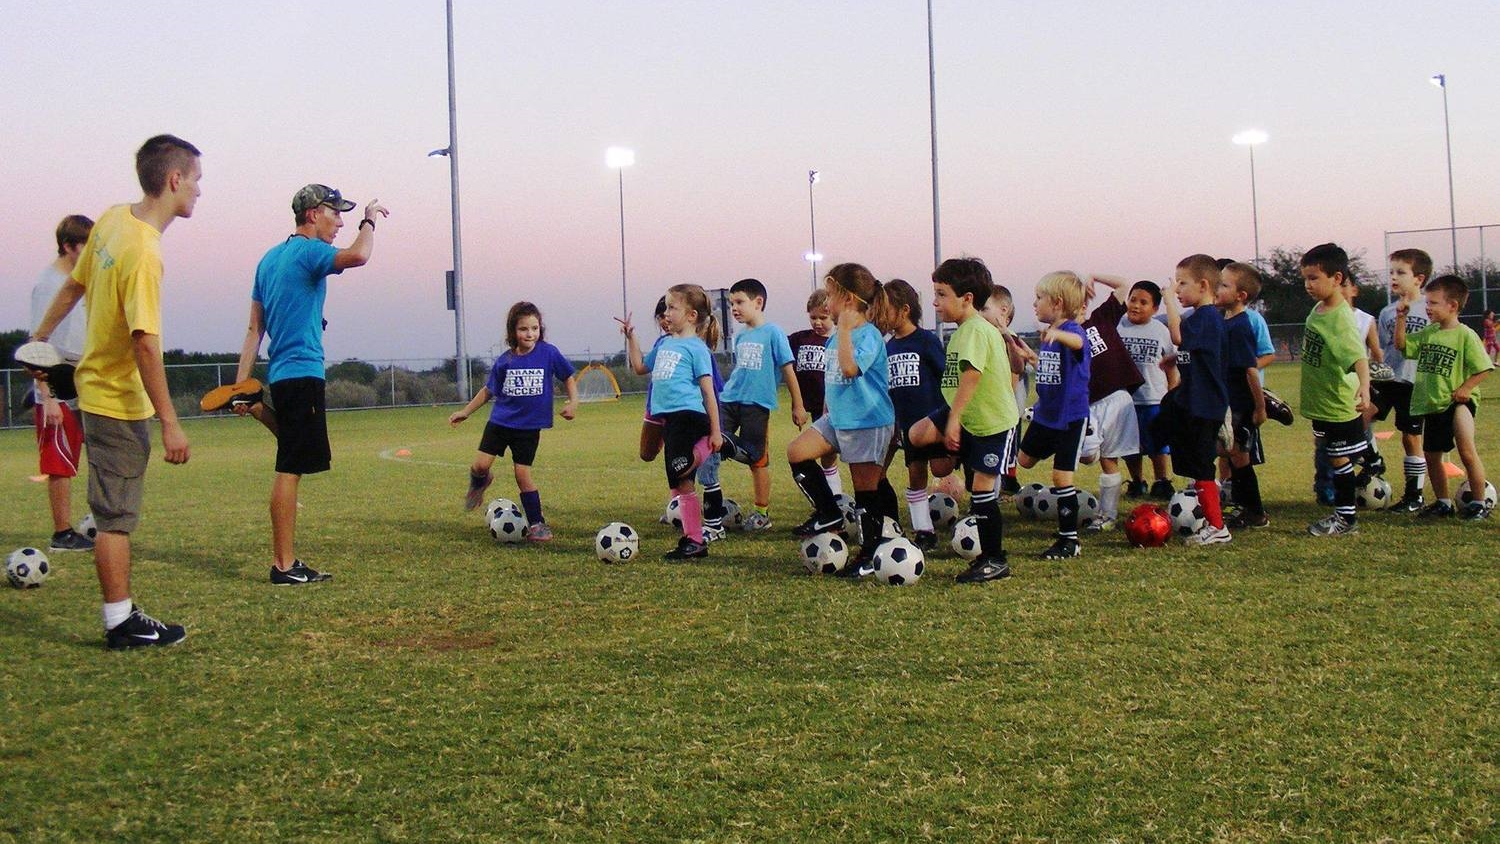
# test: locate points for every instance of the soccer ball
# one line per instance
(856, 531)
(966, 538)
(898, 563)
(26, 568)
(494, 507)
(1186, 513)
(87, 527)
(1088, 507)
(617, 542)
(1028, 498)
(1045, 505)
(733, 518)
(673, 516)
(944, 510)
(825, 553)
(1148, 526)
(1375, 495)
(1466, 496)
(508, 524)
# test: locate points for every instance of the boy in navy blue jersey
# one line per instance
(1238, 285)
(916, 361)
(762, 354)
(1062, 401)
(1195, 411)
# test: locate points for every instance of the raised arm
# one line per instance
(357, 254)
(632, 348)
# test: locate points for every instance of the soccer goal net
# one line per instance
(596, 383)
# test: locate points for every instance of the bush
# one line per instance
(350, 394)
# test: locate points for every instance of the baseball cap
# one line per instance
(311, 196)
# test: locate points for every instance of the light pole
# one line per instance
(456, 287)
(619, 158)
(812, 256)
(937, 246)
(1251, 138)
(1441, 80)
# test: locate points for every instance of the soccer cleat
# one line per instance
(814, 526)
(1334, 525)
(140, 631)
(1409, 504)
(1437, 510)
(757, 522)
(1277, 408)
(539, 532)
(70, 540)
(1099, 524)
(1062, 549)
(1373, 468)
(1209, 535)
(1135, 489)
(248, 391)
(926, 540)
(477, 487)
(1474, 511)
(687, 549)
(1245, 520)
(713, 533)
(805, 529)
(1382, 372)
(1162, 490)
(297, 575)
(985, 569)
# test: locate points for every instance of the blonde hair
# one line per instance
(696, 299)
(1065, 288)
(818, 299)
(868, 293)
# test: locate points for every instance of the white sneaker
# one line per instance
(1099, 524)
(712, 534)
(1210, 535)
(757, 522)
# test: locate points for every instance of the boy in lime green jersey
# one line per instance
(1335, 380)
(1450, 364)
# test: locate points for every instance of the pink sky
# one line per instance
(1089, 136)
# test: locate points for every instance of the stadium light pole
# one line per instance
(1441, 81)
(812, 256)
(937, 245)
(1251, 138)
(460, 341)
(618, 158)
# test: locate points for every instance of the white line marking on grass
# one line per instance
(391, 455)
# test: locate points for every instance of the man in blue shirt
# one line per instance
(291, 283)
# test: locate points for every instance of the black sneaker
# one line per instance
(141, 630)
(925, 540)
(687, 549)
(1474, 511)
(1162, 490)
(985, 569)
(1135, 489)
(862, 565)
(1062, 549)
(1409, 504)
(1244, 519)
(297, 575)
(70, 540)
(815, 526)
(1437, 510)
(1278, 409)
(806, 527)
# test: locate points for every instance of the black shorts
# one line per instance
(1439, 428)
(681, 430)
(1195, 447)
(1061, 444)
(921, 453)
(522, 443)
(1340, 439)
(301, 426)
(987, 455)
(1395, 394)
(753, 425)
(1247, 435)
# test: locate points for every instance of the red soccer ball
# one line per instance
(1148, 526)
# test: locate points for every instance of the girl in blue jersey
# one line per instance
(860, 419)
(521, 384)
(915, 359)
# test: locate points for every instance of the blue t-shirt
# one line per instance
(915, 365)
(522, 386)
(759, 355)
(1263, 345)
(1062, 381)
(1200, 364)
(1239, 356)
(291, 283)
(677, 364)
(863, 401)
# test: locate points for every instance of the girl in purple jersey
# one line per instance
(521, 384)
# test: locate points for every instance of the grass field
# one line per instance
(443, 687)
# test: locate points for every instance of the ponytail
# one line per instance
(693, 296)
(867, 290)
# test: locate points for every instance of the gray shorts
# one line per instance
(857, 445)
(118, 451)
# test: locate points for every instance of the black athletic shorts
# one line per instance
(1439, 428)
(919, 453)
(522, 443)
(301, 426)
(752, 423)
(1247, 434)
(986, 455)
(1195, 447)
(1341, 439)
(1395, 394)
(681, 430)
(1061, 444)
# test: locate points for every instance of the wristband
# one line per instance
(367, 220)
